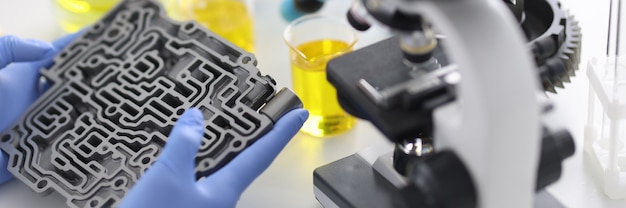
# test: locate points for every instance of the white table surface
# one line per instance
(289, 182)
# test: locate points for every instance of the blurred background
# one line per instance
(289, 182)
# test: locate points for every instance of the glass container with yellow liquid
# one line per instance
(314, 40)
(230, 19)
(74, 15)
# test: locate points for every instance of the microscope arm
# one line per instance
(494, 125)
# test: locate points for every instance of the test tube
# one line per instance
(605, 131)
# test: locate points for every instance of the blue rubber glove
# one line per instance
(170, 182)
(20, 62)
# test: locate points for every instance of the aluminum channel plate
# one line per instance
(118, 90)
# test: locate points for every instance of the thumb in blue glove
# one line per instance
(170, 182)
(16, 49)
(20, 62)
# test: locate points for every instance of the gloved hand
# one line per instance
(170, 182)
(20, 62)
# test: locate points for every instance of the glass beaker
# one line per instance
(73, 15)
(313, 40)
(230, 19)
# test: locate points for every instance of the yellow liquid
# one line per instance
(229, 19)
(326, 117)
(76, 14)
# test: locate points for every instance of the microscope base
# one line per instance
(352, 182)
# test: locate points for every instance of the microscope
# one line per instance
(459, 89)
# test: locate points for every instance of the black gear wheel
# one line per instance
(555, 40)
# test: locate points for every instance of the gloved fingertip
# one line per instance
(16, 49)
(187, 133)
(191, 117)
(302, 113)
(294, 117)
(183, 144)
(45, 47)
(249, 164)
(62, 42)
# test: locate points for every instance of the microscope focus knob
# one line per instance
(442, 181)
(555, 147)
(356, 21)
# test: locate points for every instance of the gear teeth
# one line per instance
(559, 67)
(550, 88)
(559, 84)
(566, 79)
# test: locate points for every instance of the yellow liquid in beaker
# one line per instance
(76, 14)
(326, 117)
(229, 19)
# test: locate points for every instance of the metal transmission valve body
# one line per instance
(116, 94)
